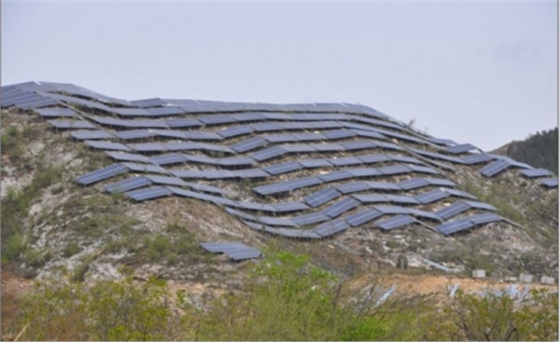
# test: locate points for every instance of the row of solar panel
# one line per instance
(291, 185)
(468, 223)
(176, 106)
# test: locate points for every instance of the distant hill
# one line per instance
(539, 150)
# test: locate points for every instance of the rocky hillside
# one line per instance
(54, 223)
(539, 150)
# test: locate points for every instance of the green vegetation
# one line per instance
(284, 297)
(538, 150)
(502, 197)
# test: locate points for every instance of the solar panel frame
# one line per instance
(248, 144)
(309, 219)
(183, 122)
(454, 226)
(335, 176)
(236, 131)
(56, 112)
(431, 196)
(166, 180)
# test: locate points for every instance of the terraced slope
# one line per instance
(300, 171)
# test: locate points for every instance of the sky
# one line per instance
(481, 72)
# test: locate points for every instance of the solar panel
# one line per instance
(182, 146)
(248, 144)
(455, 226)
(123, 156)
(353, 187)
(56, 112)
(392, 209)
(308, 136)
(431, 196)
(235, 131)
(331, 227)
(128, 184)
(371, 198)
(442, 142)
(274, 221)
(424, 214)
(452, 210)
(279, 138)
(145, 168)
(313, 163)
(358, 145)
(180, 123)
(101, 174)
(278, 169)
(272, 189)
(457, 149)
(484, 218)
(268, 153)
(384, 186)
(106, 145)
(71, 124)
(186, 174)
(247, 117)
(340, 207)
(480, 205)
(148, 147)
(363, 217)
(169, 133)
(401, 199)
(534, 173)
(328, 147)
(365, 172)
(336, 176)
(440, 182)
(216, 119)
(394, 170)
(321, 197)
(423, 169)
(236, 161)
(91, 135)
(198, 135)
(165, 111)
(339, 134)
(286, 207)
(234, 250)
(299, 183)
(325, 124)
(494, 168)
(219, 174)
(215, 148)
(297, 148)
(389, 146)
(164, 180)
(134, 134)
(257, 206)
(374, 158)
(250, 173)
(288, 232)
(459, 193)
(438, 156)
(345, 161)
(395, 222)
(267, 126)
(550, 182)
(369, 134)
(309, 219)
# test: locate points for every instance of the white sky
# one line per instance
(478, 72)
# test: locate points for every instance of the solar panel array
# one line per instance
(305, 171)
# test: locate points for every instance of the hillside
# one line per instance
(93, 185)
(539, 150)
